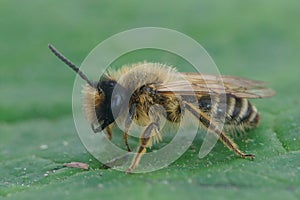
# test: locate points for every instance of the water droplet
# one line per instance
(43, 147)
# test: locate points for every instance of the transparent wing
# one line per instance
(204, 84)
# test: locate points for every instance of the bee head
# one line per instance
(101, 104)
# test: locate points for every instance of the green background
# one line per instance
(255, 39)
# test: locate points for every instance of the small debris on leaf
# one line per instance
(78, 165)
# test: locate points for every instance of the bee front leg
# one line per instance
(212, 126)
(128, 122)
(145, 141)
(109, 132)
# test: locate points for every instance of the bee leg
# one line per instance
(145, 141)
(125, 138)
(125, 135)
(109, 131)
(128, 123)
(211, 125)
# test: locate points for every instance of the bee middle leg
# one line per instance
(145, 141)
(211, 125)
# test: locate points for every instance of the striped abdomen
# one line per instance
(237, 111)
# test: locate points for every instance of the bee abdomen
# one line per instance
(241, 111)
(237, 111)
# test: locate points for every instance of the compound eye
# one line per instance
(111, 84)
(116, 101)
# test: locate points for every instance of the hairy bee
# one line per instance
(156, 86)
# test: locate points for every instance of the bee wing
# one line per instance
(204, 84)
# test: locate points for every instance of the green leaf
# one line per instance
(257, 39)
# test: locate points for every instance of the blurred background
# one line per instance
(258, 39)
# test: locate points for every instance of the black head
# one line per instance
(110, 103)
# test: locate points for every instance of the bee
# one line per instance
(156, 86)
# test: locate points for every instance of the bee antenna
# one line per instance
(70, 64)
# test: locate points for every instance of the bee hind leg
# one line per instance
(145, 141)
(212, 126)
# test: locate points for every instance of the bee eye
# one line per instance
(111, 84)
(116, 101)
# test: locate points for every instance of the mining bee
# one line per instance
(157, 84)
